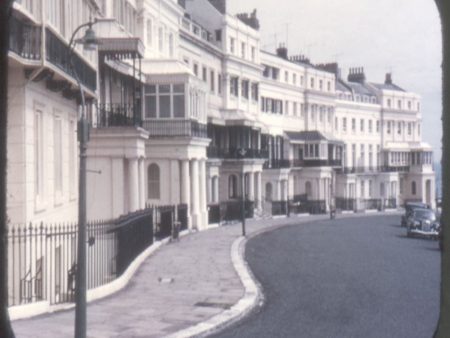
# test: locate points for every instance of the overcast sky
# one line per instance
(398, 36)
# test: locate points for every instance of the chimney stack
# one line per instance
(388, 79)
(356, 75)
(282, 51)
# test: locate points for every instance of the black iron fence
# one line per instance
(43, 257)
(373, 169)
(213, 213)
(279, 208)
(298, 207)
(25, 39)
(232, 210)
(57, 52)
(175, 127)
(118, 115)
(390, 203)
(347, 204)
(370, 204)
(236, 153)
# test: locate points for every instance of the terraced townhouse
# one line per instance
(187, 109)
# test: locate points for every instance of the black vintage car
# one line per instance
(423, 223)
(409, 207)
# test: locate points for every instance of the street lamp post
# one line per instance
(88, 41)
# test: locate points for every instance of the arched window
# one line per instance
(232, 186)
(268, 191)
(153, 179)
(413, 188)
(308, 189)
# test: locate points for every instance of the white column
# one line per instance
(133, 181)
(118, 188)
(216, 189)
(195, 194)
(258, 191)
(251, 186)
(203, 201)
(186, 187)
(142, 185)
(209, 189)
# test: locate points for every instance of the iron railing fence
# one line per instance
(346, 204)
(372, 169)
(175, 127)
(232, 210)
(390, 203)
(57, 52)
(25, 39)
(236, 153)
(43, 257)
(118, 115)
(279, 208)
(213, 213)
(372, 203)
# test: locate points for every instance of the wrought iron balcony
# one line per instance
(117, 115)
(57, 52)
(236, 153)
(175, 128)
(277, 164)
(373, 169)
(25, 39)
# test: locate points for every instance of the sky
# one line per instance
(398, 36)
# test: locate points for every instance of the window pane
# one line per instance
(178, 106)
(151, 89)
(178, 88)
(164, 88)
(150, 106)
(164, 106)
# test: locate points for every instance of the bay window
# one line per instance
(165, 101)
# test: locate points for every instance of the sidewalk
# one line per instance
(182, 284)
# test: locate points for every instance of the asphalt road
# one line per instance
(357, 277)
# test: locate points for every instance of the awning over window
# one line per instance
(311, 136)
(121, 48)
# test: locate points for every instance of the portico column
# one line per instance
(142, 184)
(216, 189)
(251, 186)
(203, 202)
(186, 187)
(195, 194)
(133, 182)
(258, 191)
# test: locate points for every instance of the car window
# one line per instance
(424, 214)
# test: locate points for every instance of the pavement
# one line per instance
(186, 288)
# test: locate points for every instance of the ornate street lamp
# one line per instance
(89, 42)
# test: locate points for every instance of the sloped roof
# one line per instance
(310, 136)
(384, 86)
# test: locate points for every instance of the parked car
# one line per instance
(409, 207)
(424, 223)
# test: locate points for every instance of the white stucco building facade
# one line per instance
(186, 108)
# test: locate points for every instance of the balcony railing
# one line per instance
(175, 128)
(25, 39)
(196, 30)
(117, 115)
(373, 169)
(58, 54)
(236, 153)
(277, 164)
